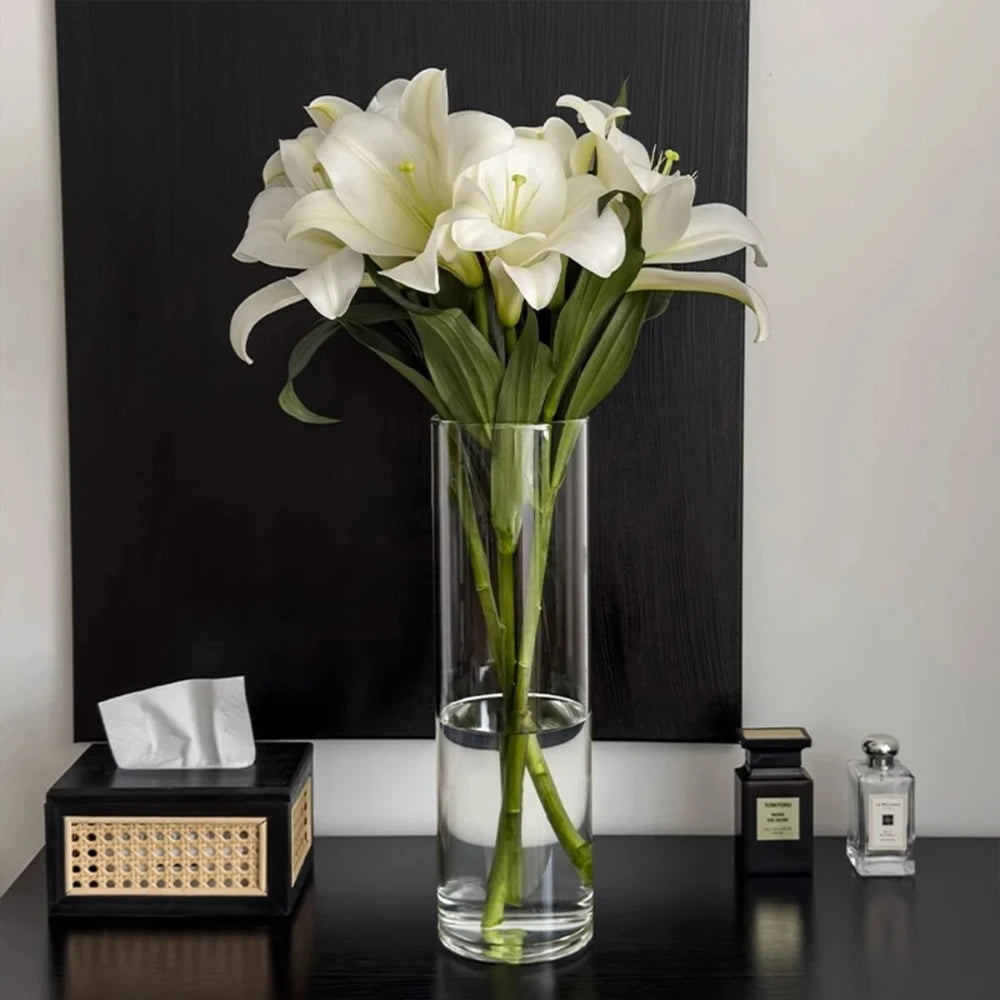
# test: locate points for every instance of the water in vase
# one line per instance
(549, 912)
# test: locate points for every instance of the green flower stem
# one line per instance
(508, 624)
(510, 339)
(504, 884)
(577, 849)
(481, 308)
(505, 591)
(520, 747)
(480, 568)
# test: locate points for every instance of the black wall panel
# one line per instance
(213, 535)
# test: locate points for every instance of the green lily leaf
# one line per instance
(587, 309)
(527, 378)
(611, 357)
(621, 101)
(301, 355)
(391, 291)
(522, 394)
(373, 313)
(512, 481)
(463, 368)
(397, 359)
(658, 302)
(453, 294)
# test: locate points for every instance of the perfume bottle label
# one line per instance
(778, 819)
(887, 822)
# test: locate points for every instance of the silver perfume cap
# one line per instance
(880, 745)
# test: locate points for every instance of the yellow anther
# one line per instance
(407, 167)
(668, 159)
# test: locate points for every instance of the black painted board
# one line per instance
(213, 535)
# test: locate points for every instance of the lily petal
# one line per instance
(481, 234)
(581, 191)
(610, 111)
(666, 214)
(595, 115)
(508, 298)
(363, 156)
(421, 273)
(386, 100)
(526, 186)
(472, 137)
(274, 171)
(661, 279)
(324, 111)
(595, 242)
(537, 282)
(714, 230)
(613, 171)
(423, 105)
(264, 239)
(631, 149)
(298, 158)
(330, 285)
(324, 211)
(254, 308)
(558, 133)
(582, 154)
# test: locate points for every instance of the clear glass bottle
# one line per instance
(881, 832)
(514, 845)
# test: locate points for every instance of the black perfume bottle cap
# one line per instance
(774, 747)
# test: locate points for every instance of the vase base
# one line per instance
(517, 941)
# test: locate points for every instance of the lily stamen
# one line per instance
(667, 160)
(518, 180)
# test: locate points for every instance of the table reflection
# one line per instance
(777, 924)
(161, 960)
(459, 979)
(887, 919)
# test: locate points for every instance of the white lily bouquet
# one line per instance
(505, 272)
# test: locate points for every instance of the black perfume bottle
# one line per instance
(774, 803)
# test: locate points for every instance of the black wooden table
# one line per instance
(673, 923)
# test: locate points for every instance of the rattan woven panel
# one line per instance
(166, 856)
(302, 828)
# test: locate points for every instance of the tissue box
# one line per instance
(191, 843)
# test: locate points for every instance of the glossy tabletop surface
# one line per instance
(674, 922)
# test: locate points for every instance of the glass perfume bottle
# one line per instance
(774, 803)
(881, 833)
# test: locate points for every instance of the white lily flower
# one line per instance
(525, 215)
(393, 172)
(623, 163)
(674, 229)
(330, 273)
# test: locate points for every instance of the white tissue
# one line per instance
(196, 723)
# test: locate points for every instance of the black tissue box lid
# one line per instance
(276, 773)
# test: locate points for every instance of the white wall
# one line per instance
(872, 549)
(35, 666)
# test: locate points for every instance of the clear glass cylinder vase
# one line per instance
(513, 735)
